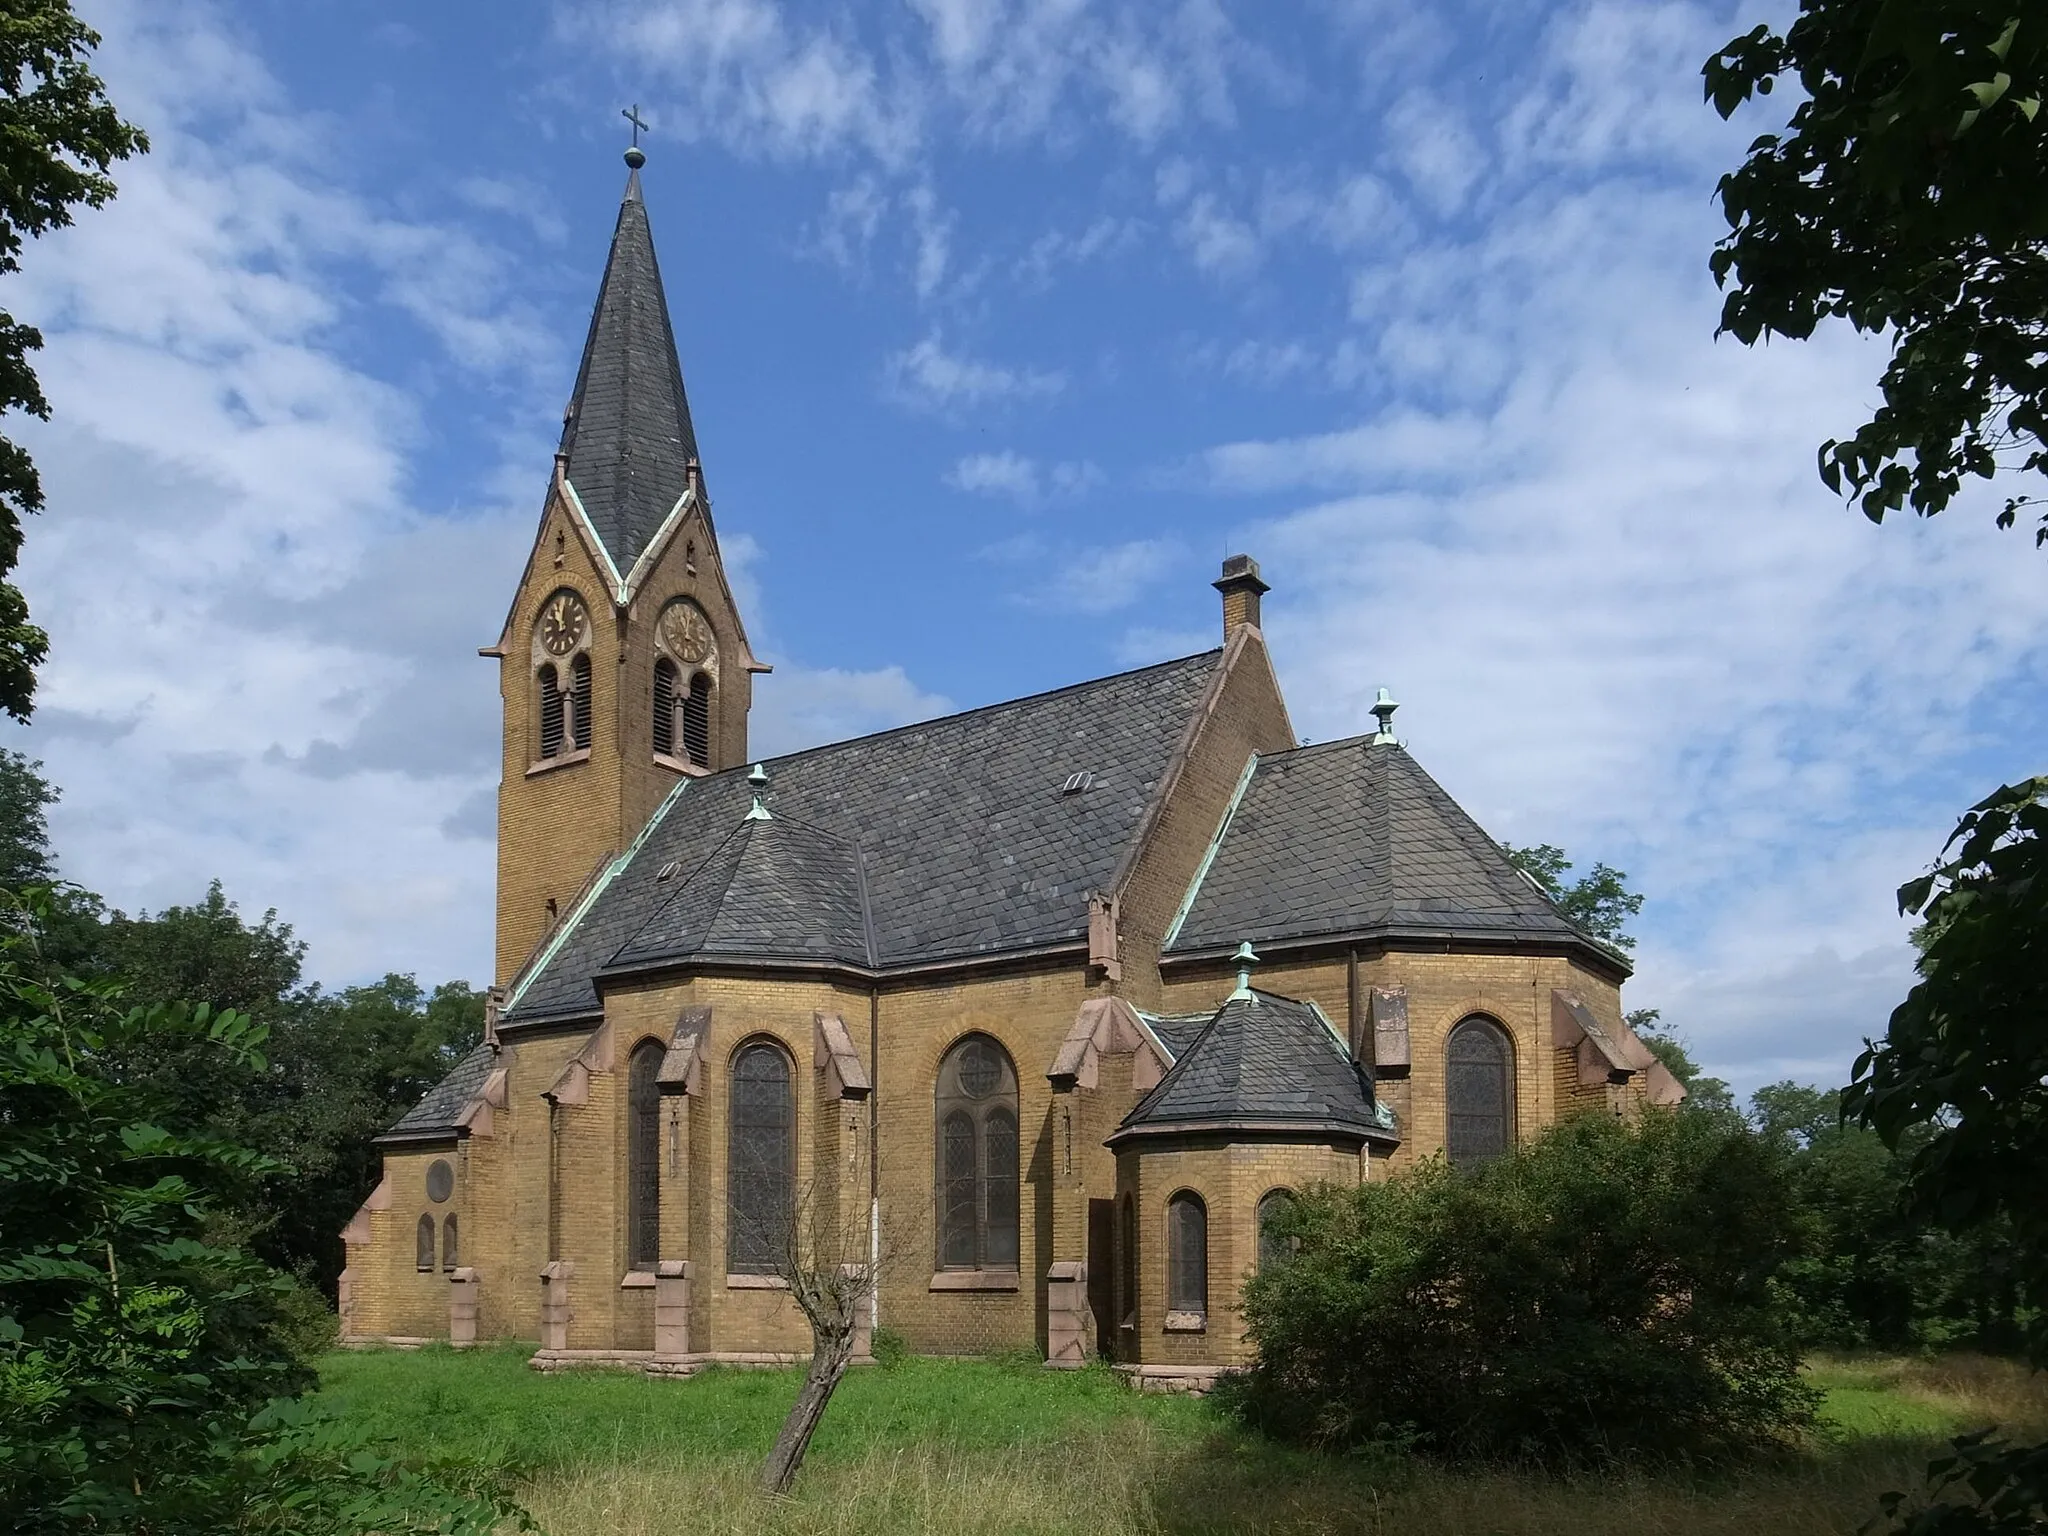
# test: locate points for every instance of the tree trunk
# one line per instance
(828, 1364)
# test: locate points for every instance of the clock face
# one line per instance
(562, 624)
(687, 632)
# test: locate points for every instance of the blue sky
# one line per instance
(1003, 321)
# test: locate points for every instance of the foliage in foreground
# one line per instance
(1961, 1077)
(1605, 1293)
(145, 1382)
(1908, 195)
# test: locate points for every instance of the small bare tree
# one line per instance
(831, 1255)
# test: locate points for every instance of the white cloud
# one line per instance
(1104, 580)
(927, 376)
(797, 707)
(1023, 480)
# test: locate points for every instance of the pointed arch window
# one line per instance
(551, 705)
(1127, 1260)
(423, 1245)
(1187, 1254)
(760, 1161)
(696, 712)
(1478, 1072)
(1274, 1249)
(666, 680)
(450, 1257)
(978, 1188)
(579, 701)
(643, 1157)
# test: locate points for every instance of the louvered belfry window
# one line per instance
(643, 1156)
(423, 1244)
(978, 1190)
(760, 1161)
(550, 713)
(665, 676)
(697, 722)
(1476, 1082)
(579, 702)
(1187, 1253)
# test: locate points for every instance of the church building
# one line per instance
(1049, 1004)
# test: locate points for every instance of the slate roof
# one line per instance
(627, 432)
(774, 888)
(1176, 1031)
(967, 846)
(1266, 1062)
(1348, 837)
(436, 1113)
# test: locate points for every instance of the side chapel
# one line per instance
(1063, 994)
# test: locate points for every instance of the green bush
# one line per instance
(1607, 1291)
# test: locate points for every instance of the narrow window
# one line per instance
(665, 707)
(449, 1255)
(697, 722)
(1274, 1249)
(975, 1121)
(550, 713)
(643, 1157)
(1187, 1253)
(423, 1245)
(1476, 1079)
(760, 1186)
(1127, 1261)
(579, 701)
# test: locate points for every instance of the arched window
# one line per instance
(423, 1245)
(1274, 1248)
(760, 1161)
(665, 679)
(696, 707)
(1127, 1261)
(449, 1256)
(550, 713)
(643, 1157)
(1187, 1253)
(976, 1152)
(1476, 1084)
(579, 701)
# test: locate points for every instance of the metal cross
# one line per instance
(632, 115)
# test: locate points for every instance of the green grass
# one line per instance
(981, 1448)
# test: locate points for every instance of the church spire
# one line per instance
(626, 437)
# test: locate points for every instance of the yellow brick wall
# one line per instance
(391, 1296)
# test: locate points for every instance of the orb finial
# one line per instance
(635, 155)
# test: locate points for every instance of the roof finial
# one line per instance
(759, 779)
(1384, 708)
(1245, 959)
(635, 156)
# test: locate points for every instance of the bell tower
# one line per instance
(623, 664)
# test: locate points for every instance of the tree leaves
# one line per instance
(1908, 196)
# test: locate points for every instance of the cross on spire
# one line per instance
(632, 115)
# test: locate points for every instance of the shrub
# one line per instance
(1605, 1291)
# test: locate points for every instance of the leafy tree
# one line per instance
(1606, 1292)
(1599, 902)
(58, 136)
(1908, 194)
(145, 1381)
(1960, 1084)
(25, 799)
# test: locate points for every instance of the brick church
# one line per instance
(1056, 999)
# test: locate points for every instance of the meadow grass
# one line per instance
(976, 1448)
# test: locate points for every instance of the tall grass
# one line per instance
(975, 1449)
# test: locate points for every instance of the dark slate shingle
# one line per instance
(967, 845)
(1346, 837)
(628, 433)
(445, 1100)
(1261, 1060)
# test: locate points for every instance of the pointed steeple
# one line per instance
(627, 434)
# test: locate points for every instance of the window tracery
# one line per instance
(978, 1187)
(1478, 1059)
(760, 1160)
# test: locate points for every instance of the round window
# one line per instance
(440, 1180)
(981, 1071)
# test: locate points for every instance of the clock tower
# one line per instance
(623, 664)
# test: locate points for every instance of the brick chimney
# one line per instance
(1241, 589)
